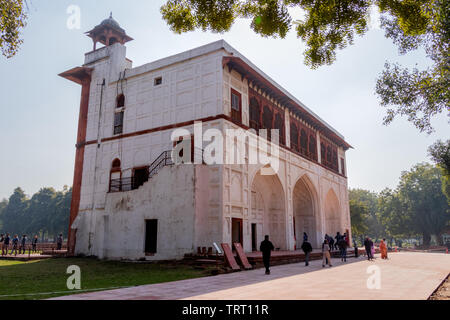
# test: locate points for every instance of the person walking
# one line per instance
(343, 249)
(34, 244)
(307, 249)
(266, 248)
(383, 249)
(347, 239)
(23, 244)
(338, 239)
(326, 254)
(15, 245)
(331, 243)
(59, 242)
(5, 246)
(368, 246)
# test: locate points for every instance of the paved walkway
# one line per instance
(406, 276)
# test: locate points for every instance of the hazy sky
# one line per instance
(39, 110)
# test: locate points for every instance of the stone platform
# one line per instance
(25, 257)
(405, 276)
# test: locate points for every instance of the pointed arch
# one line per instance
(120, 101)
(333, 213)
(305, 211)
(271, 218)
(115, 176)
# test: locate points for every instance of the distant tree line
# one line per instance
(45, 214)
(417, 208)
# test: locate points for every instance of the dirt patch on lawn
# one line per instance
(443, 292)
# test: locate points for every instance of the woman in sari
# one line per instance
(383, 249)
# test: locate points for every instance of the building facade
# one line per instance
(130, 201)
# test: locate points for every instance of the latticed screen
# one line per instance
(236, 106)
(255, 111)
(235, 102)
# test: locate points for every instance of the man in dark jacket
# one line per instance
(34, 243)
(5, 245)
(307, 249)
(23, 244)
(15, 245)
(343, 249)
(59, 242)
(368, 246)
(266, 248)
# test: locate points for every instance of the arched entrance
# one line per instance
(332, 214)
(268, 216)
(304, 206)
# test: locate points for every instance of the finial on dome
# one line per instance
(108, 32)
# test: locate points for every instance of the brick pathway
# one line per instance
(405, 276)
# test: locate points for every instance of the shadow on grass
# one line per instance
(27, 280)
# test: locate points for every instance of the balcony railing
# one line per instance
(133, 183)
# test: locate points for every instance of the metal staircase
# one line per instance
(133, 183)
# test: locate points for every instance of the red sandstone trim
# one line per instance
(81, 76)
(191, 122)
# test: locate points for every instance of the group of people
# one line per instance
(19, 245)
(329, 244)
(370, 249)
(342, 243)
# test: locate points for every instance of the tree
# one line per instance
(13, 214)
(12, 20)
(46, 213)
(3, 205)
(418, 95)
(329, 25)
(424, 204)
(391, 214)
(440, 154)
(370, 200)
(40, 211)
(359, 215)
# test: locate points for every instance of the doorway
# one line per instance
(151, 236)
(236, 231)
(140, 177)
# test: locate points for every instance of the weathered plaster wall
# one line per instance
(118, 231)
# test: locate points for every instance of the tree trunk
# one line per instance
(426, 239)
(440, 239)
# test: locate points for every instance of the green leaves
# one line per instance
(420, 193)
(418, 95)
(46, 212)
(188, 15)
(12, 21)
(359, 214)
(440, 154)
(330, 25)
(416, 207)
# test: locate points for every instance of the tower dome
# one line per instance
(111, 23)
(108, 32)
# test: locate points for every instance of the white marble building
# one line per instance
(124, 208)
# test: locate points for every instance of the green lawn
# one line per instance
(21, 280)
